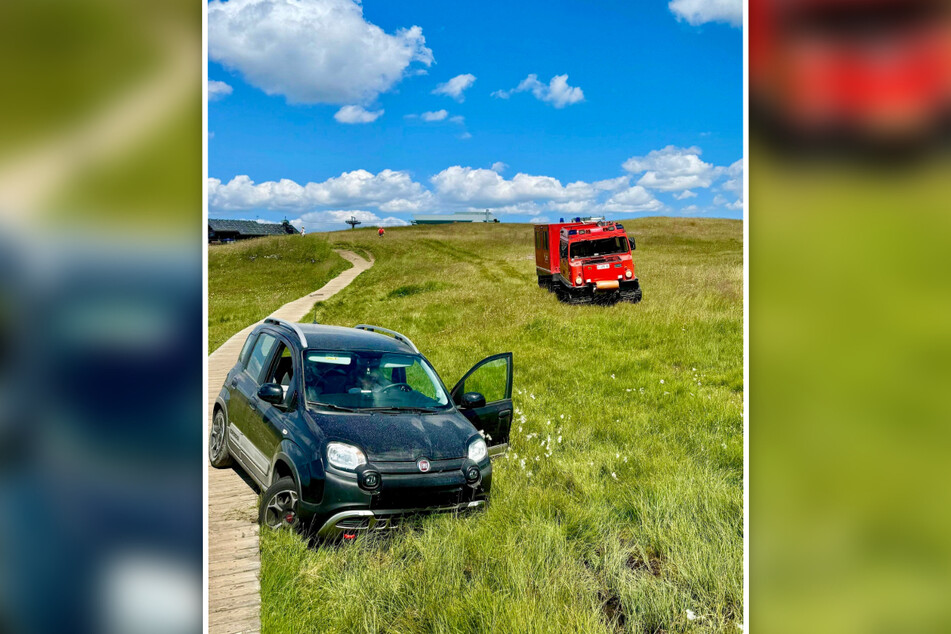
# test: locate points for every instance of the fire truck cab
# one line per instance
(584, 262)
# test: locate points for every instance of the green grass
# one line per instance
(247, 281)
(630, 515)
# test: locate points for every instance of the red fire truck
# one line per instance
(583, 262)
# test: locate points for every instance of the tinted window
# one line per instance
(262, 349)
(362, 379)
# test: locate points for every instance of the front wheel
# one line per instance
(218, 453)
(279, 505)
(633, 296)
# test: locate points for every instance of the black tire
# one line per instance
(278, 504)
(218, 453)
(632, 296)
(545, 281)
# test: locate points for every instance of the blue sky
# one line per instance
(318, 109)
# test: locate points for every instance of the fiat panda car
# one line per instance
(351, 429)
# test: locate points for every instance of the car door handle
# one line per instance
(234, 382)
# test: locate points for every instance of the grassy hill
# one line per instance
(620, 504)
(247, 281)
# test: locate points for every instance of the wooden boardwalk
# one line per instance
(234, 558)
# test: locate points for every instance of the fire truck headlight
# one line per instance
(628, 274)
(578, 281)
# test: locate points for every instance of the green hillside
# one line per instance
(620, 504)
(247, 281)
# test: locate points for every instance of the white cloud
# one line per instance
(698, 12)
(218, 90)
(438, 115)
(557, 92)
(465, 136)
(393, 189)
(672, 169)
(455, 87)
(483, 186)
(357, 114)
(458, 119)
(311, 51)
(463, 188)
(634, 198)
(735, 174)
(328, 220)
(722, 201)
(540, 220)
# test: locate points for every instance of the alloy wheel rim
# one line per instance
(217, 435)
(281, 510)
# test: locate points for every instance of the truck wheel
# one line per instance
(218, 454)
(632, 296)
(544, 281)
(279, 505)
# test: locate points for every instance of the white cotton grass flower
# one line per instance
(614, 475)
(562, 416)
(690, 615)
(612, 376)
(559, 440)
(533, 396)
(662, 381)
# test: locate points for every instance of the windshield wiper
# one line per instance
(332, 406)
(398, 409)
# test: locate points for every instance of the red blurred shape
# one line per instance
(872, 67)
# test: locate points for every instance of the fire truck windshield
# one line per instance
(593, 248)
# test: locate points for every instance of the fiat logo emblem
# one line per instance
(423, 464)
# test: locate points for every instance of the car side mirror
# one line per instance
(472, 400)
(631, 242)
(271, 393)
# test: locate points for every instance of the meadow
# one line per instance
(249, 280)
(619, 506)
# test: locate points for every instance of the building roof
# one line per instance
(324, 337)
(459, 216)
(249, 227)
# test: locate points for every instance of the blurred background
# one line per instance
(101, 345)
(850, 315)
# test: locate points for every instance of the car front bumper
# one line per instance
(346, 507)
(365, 520)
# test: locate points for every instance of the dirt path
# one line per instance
(234, 559)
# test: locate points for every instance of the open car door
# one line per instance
(490, 379)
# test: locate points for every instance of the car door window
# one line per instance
(490, 379)
(259, 355)
(246, 350)
(282, 370)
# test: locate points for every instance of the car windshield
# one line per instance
(605, 246)
(362, 380)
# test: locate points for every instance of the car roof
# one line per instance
(340, 338)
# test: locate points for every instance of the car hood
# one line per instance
(406, 437)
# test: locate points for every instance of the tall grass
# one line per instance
(247, 281)
(619, 506)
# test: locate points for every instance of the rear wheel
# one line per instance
(544, 281)
(218, 453)
(279, 505)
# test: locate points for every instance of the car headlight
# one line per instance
(578, 281)
(478, 450)
(344, 456)
(628, 274)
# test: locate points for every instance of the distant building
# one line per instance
(231, 230)
(459, 216)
